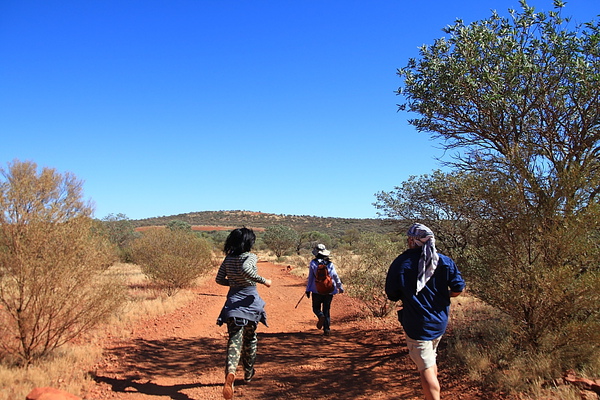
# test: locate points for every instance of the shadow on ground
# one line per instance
(347, 365)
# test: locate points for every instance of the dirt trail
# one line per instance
(181, 355)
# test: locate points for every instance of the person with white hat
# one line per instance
(323, 283)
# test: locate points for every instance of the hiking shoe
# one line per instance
(320, 322)
(248, 376)
(327, 332)
(228, 387)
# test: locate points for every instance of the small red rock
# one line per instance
(50, 393)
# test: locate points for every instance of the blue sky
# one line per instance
(176, 106)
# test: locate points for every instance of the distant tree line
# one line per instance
(301, 223)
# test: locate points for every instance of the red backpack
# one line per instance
(323, 281)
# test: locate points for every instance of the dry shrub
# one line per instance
(173, 259)
(52, 282)
(481, 338)
(365, 274)
(66, 367)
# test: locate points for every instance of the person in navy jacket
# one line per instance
(424, 281)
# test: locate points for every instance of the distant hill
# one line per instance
(334, 227)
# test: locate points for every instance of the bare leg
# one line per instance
(430, 383)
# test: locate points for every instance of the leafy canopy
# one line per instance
(516, 96)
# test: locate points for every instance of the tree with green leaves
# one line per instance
(447, 202)
(280, 239)
(179, 225)
(351, 236)
(309, 240)
(121, 233)
(517, 102)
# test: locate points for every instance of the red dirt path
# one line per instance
(181, 355)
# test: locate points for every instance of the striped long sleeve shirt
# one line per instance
(239, 271)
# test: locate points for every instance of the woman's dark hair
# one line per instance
(239, 241)
(322, 257)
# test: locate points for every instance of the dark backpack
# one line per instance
(323, 281)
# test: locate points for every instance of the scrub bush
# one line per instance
(172, 259)
(365, 275)
(53, 285)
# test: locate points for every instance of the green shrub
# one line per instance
(178, 224)
(120, 232)
(280, 239)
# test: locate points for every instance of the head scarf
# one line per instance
(429, 257)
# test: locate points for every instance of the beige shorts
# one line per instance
(423, 352)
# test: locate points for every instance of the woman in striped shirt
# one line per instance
(244, 307)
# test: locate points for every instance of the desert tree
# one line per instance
(178, 224)
(447, 202)
(517, 100)
(365, 276)
(120, 232)
(52, 263)
(350, 236)
(309, 240)
(172, 259)
(280, 239)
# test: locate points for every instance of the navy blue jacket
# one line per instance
(424, 316)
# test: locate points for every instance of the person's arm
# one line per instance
(393, 290)
(311, 278)
(221, 278)
(249, 270)
(456, 281)
(336, 278)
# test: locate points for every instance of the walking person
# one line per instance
(244, 308)
(424, 280)
(323, 283)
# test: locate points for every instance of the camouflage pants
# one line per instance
(242, 344)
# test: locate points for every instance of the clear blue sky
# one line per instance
(175, 106)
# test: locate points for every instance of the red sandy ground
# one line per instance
(181, 355)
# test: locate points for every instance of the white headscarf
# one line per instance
(429, 257)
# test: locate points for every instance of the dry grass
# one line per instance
(480, 339)
(67, 367)
(297, 263)
(145, 300)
